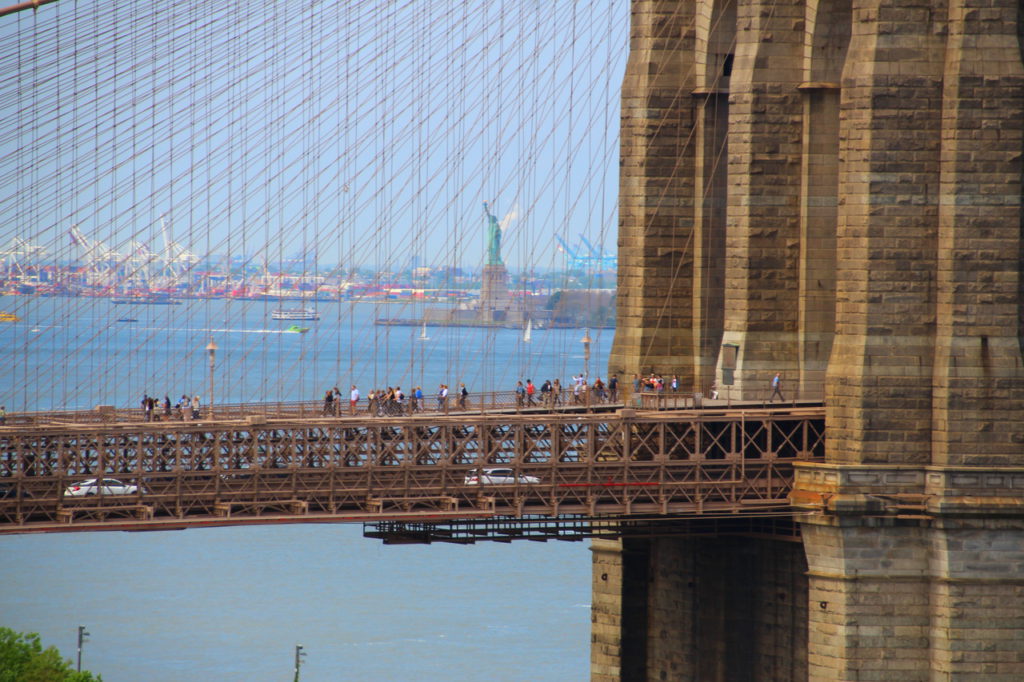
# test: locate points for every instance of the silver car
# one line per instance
(106, 486)
(498, 477)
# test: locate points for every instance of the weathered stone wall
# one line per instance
(728, 193)
(914, 573)
(722, 608)
(715, 59)
(762, 238)
(828, 36)
(864, 238)
(656, 195)
(926, 360)
(618, 610)
(977, 378)
(879, 377)
(921, 520)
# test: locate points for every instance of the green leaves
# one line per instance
(23, 659)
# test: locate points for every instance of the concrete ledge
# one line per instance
(976, 506)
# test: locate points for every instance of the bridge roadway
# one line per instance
(599, 463)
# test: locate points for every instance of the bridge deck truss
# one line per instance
(612, 464)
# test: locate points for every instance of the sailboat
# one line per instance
(423, 333)
(528, 334)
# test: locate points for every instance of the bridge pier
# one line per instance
(872, 242)
(914, 572)
(698, 608)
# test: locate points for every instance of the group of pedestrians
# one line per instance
(393, 401)
(658, 384)
(379, 401)
(579, 392)
(655, 383)
(154, 409)
(461, 397)
(332, 402)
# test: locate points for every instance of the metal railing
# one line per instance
(432, 404)
(358, 468)
(708, 395)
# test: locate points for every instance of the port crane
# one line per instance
(19, 254)
(594, 260)
(99, 261)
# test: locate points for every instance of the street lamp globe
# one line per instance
(211, 348)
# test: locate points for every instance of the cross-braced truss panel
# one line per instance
(350, 468)
(681, 441)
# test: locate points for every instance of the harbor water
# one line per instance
(233, 603)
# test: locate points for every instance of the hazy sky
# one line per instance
(351, 132)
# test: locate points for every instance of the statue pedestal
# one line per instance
(495, 299)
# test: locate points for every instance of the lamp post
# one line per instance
(299, 653)
(82, 634)
(586, 354)
(211, 348)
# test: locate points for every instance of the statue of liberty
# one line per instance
(493, 238)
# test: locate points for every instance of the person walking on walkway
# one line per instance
(777, 388)
(353, 400)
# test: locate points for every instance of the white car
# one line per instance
(498, 477)
(106, 486)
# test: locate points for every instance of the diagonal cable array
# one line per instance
(210, 150)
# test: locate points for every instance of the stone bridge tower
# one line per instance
(832, 189)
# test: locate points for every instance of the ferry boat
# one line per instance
(295, 314)
(148, 299)
(9, 317)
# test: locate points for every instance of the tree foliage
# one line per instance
(23, 659)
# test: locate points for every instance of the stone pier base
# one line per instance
(698, 608)
(915, 573)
